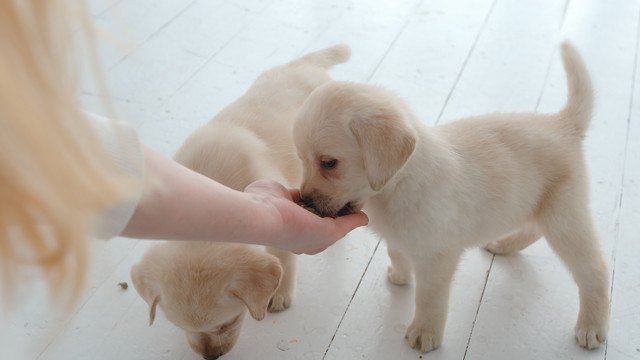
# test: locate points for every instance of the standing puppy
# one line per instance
(205, 288)
(501, 179)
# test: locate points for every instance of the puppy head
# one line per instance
(206, 290)
(352, 139)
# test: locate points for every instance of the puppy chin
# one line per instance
(212, 345)
(350, 207)
(346, 209)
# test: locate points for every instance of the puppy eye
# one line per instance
(329, 164)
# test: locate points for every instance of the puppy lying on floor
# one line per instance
(501, 179)
(204, 287)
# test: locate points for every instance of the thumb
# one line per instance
(268, 187)
(349, 222)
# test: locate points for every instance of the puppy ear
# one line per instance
(386, 142)
(143, 283)
(256, 284)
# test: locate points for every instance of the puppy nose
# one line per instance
(211, 357)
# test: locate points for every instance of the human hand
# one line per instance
(293, 228)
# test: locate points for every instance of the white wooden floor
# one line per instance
(182, 61)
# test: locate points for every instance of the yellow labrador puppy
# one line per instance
(501, 179)
(205, 288)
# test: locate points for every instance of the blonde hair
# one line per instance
(54, 176)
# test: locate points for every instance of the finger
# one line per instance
(259, 185)
(356, 219)
(349, 222)
(316, 250)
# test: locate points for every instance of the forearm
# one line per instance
(180, 204)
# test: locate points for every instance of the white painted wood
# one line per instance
(370, 28)
(123, 26)
(624, 337)
(424, 64)
(505, 72)
(182, 61)
(159, 66)
(377, 319)
(98, 7)
(37, 323)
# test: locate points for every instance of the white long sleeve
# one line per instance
(122, 143)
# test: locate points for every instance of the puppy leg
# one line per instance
(399, 272)
(567, 226)
(433, 279)
(281, 300)
(516, 241)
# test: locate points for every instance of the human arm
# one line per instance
(180, 204)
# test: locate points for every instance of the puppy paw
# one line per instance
(590, 336)
(498, 248)
(397, 277)
(279, 302)
(421, 339)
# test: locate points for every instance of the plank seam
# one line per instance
(393, 42)
(622, 178)
(355, 291)
(475, 318)
(552, 59)
(466, 60)
(152, 35)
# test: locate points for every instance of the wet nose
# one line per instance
(211, 357)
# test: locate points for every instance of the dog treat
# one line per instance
(123, 285)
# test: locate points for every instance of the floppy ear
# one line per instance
(386, 142)
(256, 284)
(144, 286)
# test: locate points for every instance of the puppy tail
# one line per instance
(328, 57)
(577, 112)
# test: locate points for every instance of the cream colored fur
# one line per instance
(499, 180)
(204, 287)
